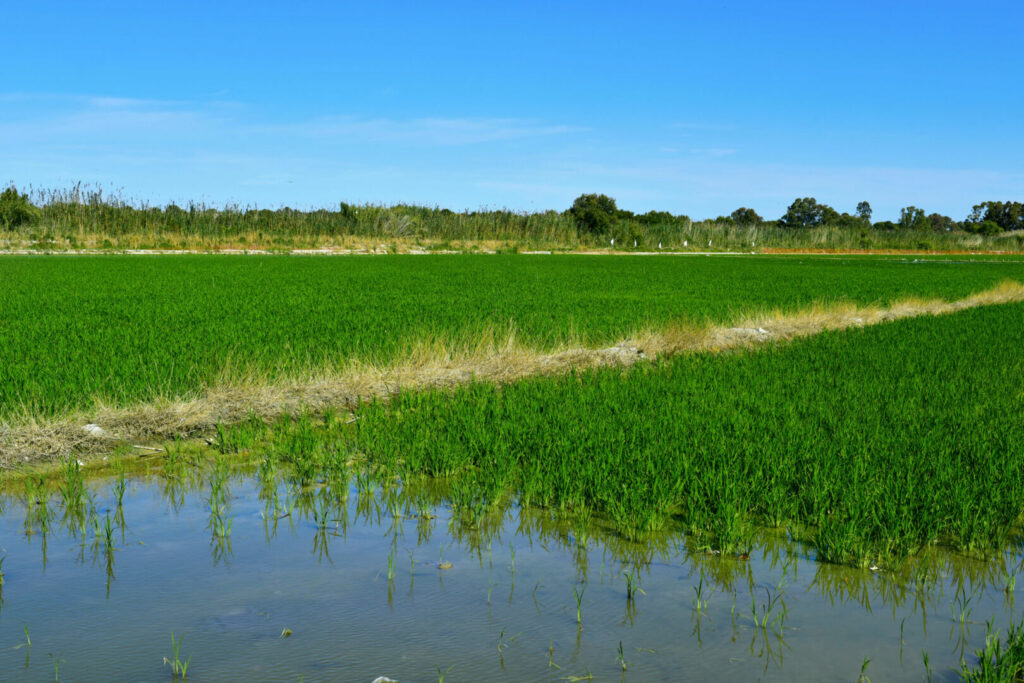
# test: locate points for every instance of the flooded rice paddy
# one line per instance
(260, 579)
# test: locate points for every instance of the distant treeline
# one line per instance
(593, 219)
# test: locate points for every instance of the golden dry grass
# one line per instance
(238, 393)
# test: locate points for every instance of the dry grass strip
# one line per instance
(236, 395)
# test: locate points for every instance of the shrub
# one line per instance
(16, 209)
(594, 213)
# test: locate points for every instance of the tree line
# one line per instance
(598, 214)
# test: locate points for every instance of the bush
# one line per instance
(16, 209)
(987, 228)
(595, 214)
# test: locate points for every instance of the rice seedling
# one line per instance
(632, 584)
(998, 660)
(391, 565)
(120, 485)
(179, 669)
(28, 641)
(701, 600)
(863, 677)
(622, 659)
(577, 594)
(56, 660)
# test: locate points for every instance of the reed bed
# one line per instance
(82, 217)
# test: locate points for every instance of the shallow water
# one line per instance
(504, 610)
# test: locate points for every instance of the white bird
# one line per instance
(709, 243)
(684, 243)
(613, 241)
(659, 245)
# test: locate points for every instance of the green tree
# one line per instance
(16, 209)
(1007, 215)
(808, 213)
(745, 216)
(656, 218)
(913, 218)
(941, 223)
(594, 213)
(864, 211)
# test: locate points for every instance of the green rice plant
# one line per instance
(120, 485)
(701, 600)
(874, 458)
(999, 661)
(577, 594)
(551, 656)
(56, 660)
(633, 584)
(72, 485)
(863, 678)
(621, 658)
(108, 534)
(179, 669)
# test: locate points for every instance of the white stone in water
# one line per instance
(383, 679)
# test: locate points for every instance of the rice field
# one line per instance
(759, 494)
(79, 331)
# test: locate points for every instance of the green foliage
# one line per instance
(745, 216)
(125, 329)
(864, 212)
(998, 661)
(940, 223)
(808, 213)
(595, 214)
(1006, 215)
(16, 210)
(845, 438)
(987, 228)
(913, 218)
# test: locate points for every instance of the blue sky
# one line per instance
(694, 108)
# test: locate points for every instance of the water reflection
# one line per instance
(502, 557)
